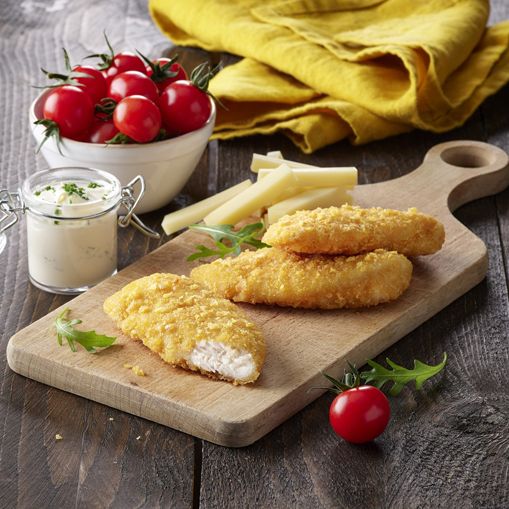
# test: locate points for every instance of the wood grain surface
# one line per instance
(446, 445)
(300, 343)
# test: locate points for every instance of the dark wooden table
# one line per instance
(446, 445)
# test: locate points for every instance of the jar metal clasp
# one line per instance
(130, 203)
(11, 204)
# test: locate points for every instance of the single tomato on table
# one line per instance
(360, 414)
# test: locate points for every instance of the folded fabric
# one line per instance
(323, 70)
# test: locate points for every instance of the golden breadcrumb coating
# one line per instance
(189, 326)
(350, 230)
(285, 278)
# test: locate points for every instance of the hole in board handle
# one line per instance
(468, 157)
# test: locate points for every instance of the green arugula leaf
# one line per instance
(88, 340)
(205, 251)
(399, 375)
(224, 232)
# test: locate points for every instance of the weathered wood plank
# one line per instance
(446, 445)
(422, 458)
(99, 462)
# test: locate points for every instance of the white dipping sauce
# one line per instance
(67, 254)
(73, 192)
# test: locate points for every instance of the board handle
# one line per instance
(451, 174)
(464, 171)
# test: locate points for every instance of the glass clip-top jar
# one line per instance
(72, 220)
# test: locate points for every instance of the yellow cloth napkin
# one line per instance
(323, 70)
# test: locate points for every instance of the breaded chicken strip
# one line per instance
(285, 278)
(350, 230)
(189, 326)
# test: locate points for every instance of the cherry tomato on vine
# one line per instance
(101, 132)
(122, 62)
(113, 64)
(95, 86)
(158, 77)
(138, 118)
(184, 106)
(133, 83)
(87, 78)
(359, 414)
(72, 109)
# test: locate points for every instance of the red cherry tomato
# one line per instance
(168, 131)
(72, 109)
(176, 67)
(137, 117)
(184, 107)
(101, 132)
(122, 62)
(95, 86)
(133, 83)
(360, 414)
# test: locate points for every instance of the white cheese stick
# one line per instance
(175, 221)
(261, 161)
(275, 153)
(320, 177)
(292, 191)
(309, 200)
(254, 198)
(288, 193)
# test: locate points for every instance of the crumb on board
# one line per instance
(138, 438)
(58, 437)
(136, 369)
(111, 419)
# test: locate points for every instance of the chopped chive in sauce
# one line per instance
(93, 185)
(72, 188)
(58, 212)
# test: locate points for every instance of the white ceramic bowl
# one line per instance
(165, 165)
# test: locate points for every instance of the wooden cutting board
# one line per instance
(300, 342)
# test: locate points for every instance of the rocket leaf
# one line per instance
(224, 232)
(88, 340)
(399, 375)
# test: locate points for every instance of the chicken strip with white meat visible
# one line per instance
(190, 326)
